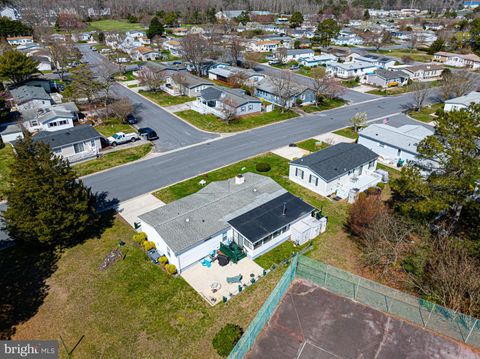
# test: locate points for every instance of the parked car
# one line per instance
(120, 137)
(273, 62)
(147, 133)
(294, 67)
(131, 119)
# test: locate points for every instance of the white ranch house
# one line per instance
(348, 70)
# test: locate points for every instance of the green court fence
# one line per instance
(264, 314)
(424, 313)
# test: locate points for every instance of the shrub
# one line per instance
(263, 167)
(147, 245)
(298, 101)
(226, 338)
(363, 212)
(171, 269)
(163, 260)
(381, 185)
(140, 237)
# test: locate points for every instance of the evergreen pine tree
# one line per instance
(47, 203)
(156, 28)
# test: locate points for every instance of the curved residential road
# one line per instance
(142, 177)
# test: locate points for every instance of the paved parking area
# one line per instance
(200, 278)
(312, 323)
(132, 208)
(290, 153)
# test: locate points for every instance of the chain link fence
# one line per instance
(424, 313)
(264, 314)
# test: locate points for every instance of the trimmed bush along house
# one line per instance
(337, 170)
(250, 212)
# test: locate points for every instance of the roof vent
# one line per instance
(284, 210)
(254, 190)
(187, 220)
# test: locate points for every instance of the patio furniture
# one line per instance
(206, 262)
(223, 260)
(215, 287)
(232, 251)
(235, 279)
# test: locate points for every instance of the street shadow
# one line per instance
(26, 267)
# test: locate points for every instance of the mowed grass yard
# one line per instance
(114, 25)
(214, 124)
(6, 159)
(326, 104)
(333, 247)
(164, 99)
(427, 113)
(110, 126)
(348, 132)
(133, 309)
(312, 145)
(112, 159)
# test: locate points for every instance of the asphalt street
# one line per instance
(173, 133)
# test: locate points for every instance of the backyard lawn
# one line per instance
(312, 145)
(347, 132)
(131, 310)
(112, 159)
(399, 89)
(164, 99)
(334, 246)
(114, 25)
(110, 126)
(326, 104)
(415, 55)
(6, 159)
(426, 114)
(214, 124)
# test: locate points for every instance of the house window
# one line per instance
(34, 123)
(371, 164)
(168, 252)
(224, 236)
(399, 152)
(313, 179)
(381, 145)
(250, 107)
(298, 173)
(242, 109)
(78, 147)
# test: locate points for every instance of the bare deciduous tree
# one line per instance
(122, 108)
(412, 41)
(420, 92)
(106, 72)
(150, 78)
(229, 110)
(358, 120)
(251, 59)
(62, 56)
(325, 85)
(284, 88)
(195, 49)
(236, 48)
(180, 82)
(457, 83)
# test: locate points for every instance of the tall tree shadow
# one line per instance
(25, 269)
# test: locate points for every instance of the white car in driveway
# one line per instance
(120, 137)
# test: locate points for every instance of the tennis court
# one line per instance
(312, 323)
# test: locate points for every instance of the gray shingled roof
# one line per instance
(390, 75)
(68, 136)
(335, 161)
(185, 223)
(236, 97)
(24, 94)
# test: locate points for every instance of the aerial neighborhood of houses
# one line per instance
(243, 148)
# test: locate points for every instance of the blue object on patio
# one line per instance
(236, 279)
(206, 262)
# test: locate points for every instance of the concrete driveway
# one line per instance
(132, 208)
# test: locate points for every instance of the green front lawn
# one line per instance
(326, 104)
(399, 89)
(164, 99)
(278, 254)
(312, 145)
(131, 310)
(126, 76)
(114, 25)
(333, 246)
(415, 55)
(350, 83)
(214, 124)
(6, 159)
(347, 132)
(426, 114)
(110, 126)
(112, 159)
(393, 173)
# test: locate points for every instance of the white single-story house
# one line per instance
(184, 83)
(348, 70)
(73, 144)
(386, 79)
(457, 60)
(54, 118)
(225, 102)
(10, 132)
(296, 55)
(143, 53)
(20, 40)
(424, 72)
(269, 91)
(392, 143)
(30, 97)
(337, 169)
(317, 60)
(230, 74)
(252, 211)
(345, 39)
(381, 62)
(173, 46)
(462, 102)
(264, 45)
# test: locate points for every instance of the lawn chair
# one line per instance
(236, 279)
(206, 262)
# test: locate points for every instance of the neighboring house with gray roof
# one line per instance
(73, 144)
(336, 170)
(394, 143)
(10, 132)
(348, 70)
(190, 228)
(54, 118)
(184, 83)
(226, 103)
(30, 97)
(233, 74)
(386, 78)
(270, 90)
(462, 102)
